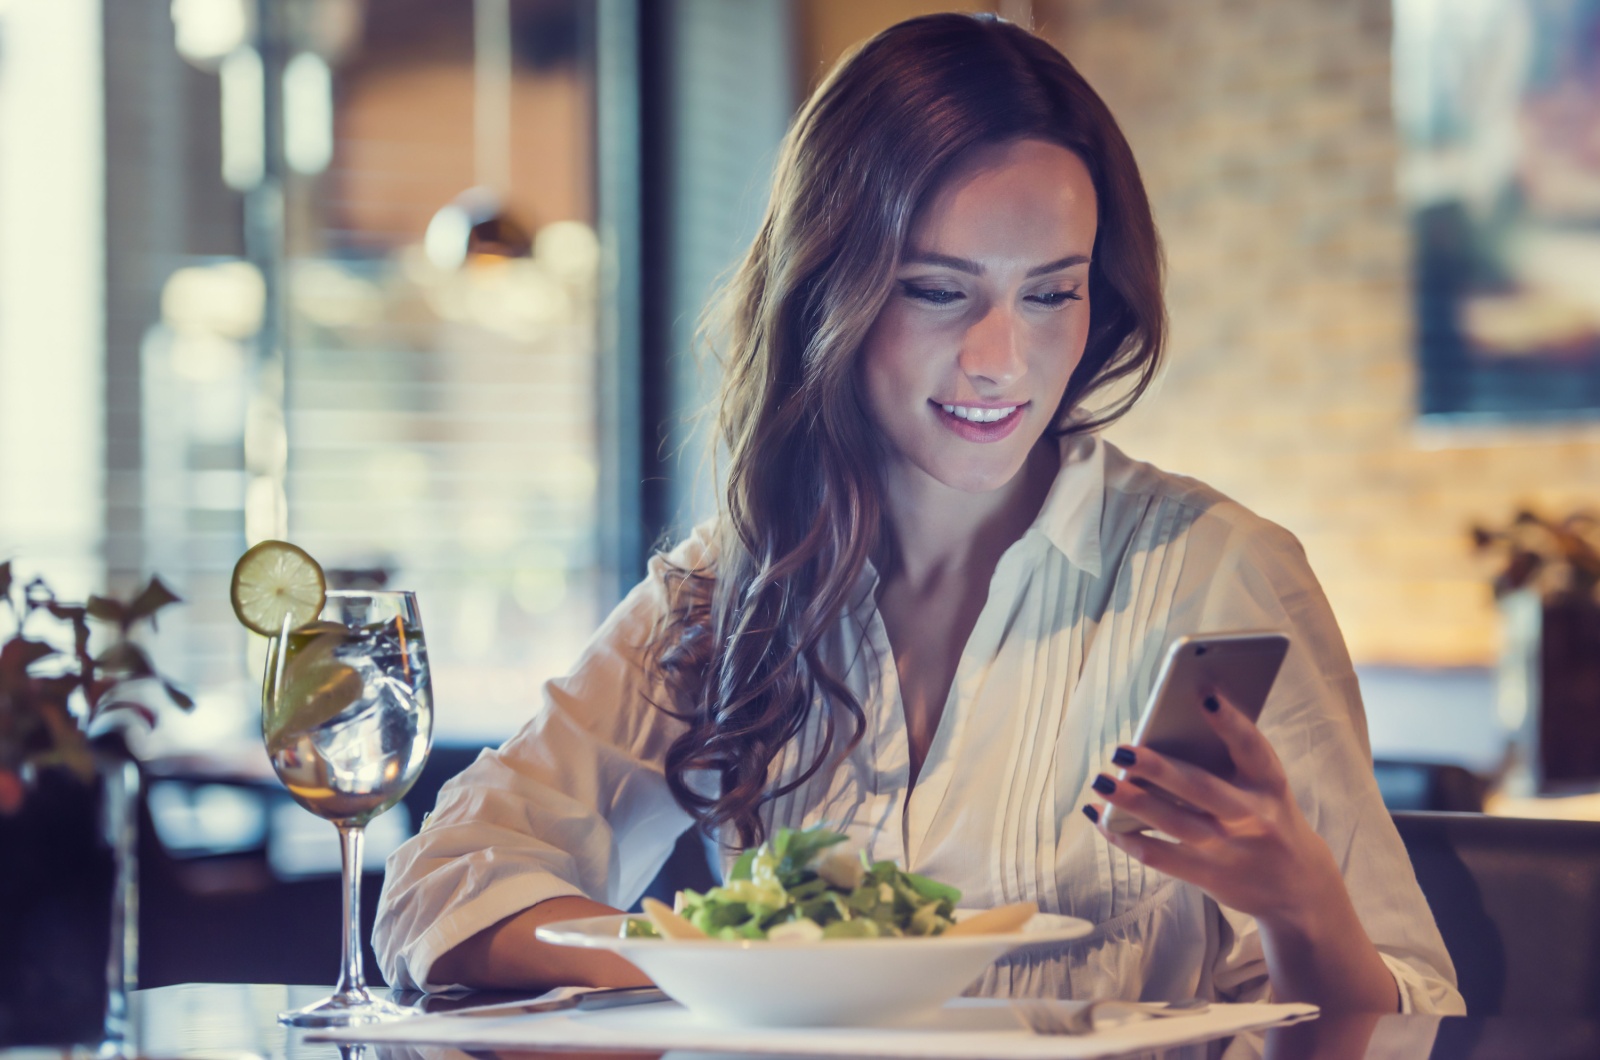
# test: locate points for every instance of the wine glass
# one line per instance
(347, 716)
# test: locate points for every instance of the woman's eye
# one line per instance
(931, 295)
(1053, 299)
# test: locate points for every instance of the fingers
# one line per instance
(1178, 859)
(1159, 812)
(1174, 859)
(1253, 758)
(1195, 786)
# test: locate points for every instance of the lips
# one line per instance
(977, 423)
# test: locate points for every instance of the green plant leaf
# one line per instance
(79, 618)
(125, 659)
(933, 890)
(68, 745)
(801, 848)
(37, 727)
(58, 689)
(741, 865)
(153, 598)
(107, 609)
(17, 655)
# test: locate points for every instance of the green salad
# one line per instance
(795, 887)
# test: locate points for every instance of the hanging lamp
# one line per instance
(475, 227)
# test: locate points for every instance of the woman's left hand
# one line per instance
(1242, 840)
(1245, 842)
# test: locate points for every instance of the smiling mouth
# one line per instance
(976, 423)
(973, 414)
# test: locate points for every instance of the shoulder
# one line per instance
(1240, 570)
(680, 578)
(1232, 567)
(1221, 533)
(636, 622)
(695, 553)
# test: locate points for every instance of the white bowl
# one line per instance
(841, 982)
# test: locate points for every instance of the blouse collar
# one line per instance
(1070, 516)
(1069, 519)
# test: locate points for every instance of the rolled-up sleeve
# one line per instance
(1316, 724)
(575, 804)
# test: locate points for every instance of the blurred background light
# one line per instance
(225, 300)
(207, 31)
(53, 277)
(445, 241)
(244, 130)
(308, 113)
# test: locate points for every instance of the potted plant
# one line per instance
(1548, 591)
(70, 675)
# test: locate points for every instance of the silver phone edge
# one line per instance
(1122, 822)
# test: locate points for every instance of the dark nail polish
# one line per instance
(1092, 813)
(1122, 756)
(1104, 784)
(1211, 704)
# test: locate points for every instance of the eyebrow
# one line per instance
(966, 265)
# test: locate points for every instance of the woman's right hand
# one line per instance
(507, 956)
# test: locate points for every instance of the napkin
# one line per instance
(964, 1029)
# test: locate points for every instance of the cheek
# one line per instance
(877, 370)
(1058, 346)
(892, 353)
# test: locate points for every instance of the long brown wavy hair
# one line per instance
(739, 651)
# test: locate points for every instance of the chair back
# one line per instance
(1518, 904)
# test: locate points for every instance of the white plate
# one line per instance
(755, 983)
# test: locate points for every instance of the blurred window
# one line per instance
(434, 420)
(441, 411)
(52, 277)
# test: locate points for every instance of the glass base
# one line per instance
(348, 1009)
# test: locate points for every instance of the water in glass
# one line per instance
(347, 716)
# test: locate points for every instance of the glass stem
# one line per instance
(351, 977)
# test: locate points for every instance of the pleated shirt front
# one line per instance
(1122, 559)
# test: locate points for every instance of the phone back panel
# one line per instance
(1239, 666)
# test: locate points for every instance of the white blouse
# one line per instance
(1122, 558)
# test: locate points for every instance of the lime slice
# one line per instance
(275, 581)
(316, 686)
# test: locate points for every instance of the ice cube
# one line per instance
(358, 744)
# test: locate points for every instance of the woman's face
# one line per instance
(968, 359)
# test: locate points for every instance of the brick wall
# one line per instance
(1264, 131)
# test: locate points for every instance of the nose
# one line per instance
(991, 351)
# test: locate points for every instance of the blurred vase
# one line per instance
(69, 907)
(1549, 692)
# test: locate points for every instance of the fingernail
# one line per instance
(1092, 813)
(1104, 784)
(1211, 704)
(1122, 756)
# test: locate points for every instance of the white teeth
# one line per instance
(979, 415)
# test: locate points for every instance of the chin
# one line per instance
(981, 477)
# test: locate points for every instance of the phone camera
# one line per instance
(1200, 649)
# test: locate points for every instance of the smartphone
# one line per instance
(1239, 666)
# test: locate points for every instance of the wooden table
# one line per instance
(197, 1021)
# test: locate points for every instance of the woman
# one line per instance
(932, 606)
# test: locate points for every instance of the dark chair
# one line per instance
(1518, 904)
(228, 919)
